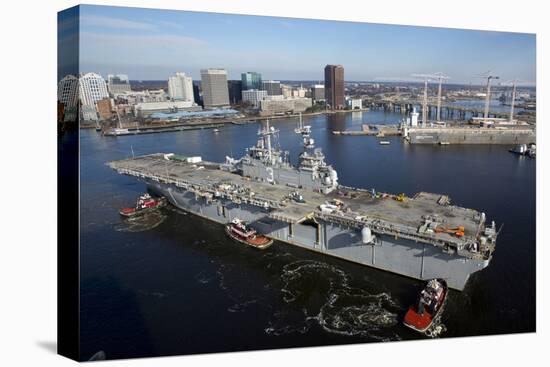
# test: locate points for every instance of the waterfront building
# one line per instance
(273, 105)
(235, 91)
(88, 113)
(355, 103)
(197, 95)
(144, 96)
(299, 92)
(254, 96)
(286, 90)
(148, 108)
(67, 91)
(118, 83)
(334, 86)
(180, 87)
(272, 87)
(251, 80)
(92, 88)
(318, 92)
(104, 108)
(214, 88)
(124, 109)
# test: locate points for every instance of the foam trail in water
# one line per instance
(343, 309)
(141, 222)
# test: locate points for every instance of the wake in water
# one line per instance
(321, 294)
(142, 222)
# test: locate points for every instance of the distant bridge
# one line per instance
(448, 111)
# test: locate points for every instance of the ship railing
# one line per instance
(381, 226)
(232, 195)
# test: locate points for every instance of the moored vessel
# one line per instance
(428, 308)
(239, 231)
(529, 150)
(422, 236)
(144, 203)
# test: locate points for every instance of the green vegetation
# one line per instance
(319, 107)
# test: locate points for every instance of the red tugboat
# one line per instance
(145, 203)
(238, 231)
(421, 316)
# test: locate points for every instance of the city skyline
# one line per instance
(149, 44)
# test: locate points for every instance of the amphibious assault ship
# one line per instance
(422, 237)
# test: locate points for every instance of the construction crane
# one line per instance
(514, 84)
(489, 77)
(439, 77)
(426, 78)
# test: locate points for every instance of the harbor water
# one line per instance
(169, 283)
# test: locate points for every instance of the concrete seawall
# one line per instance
(471, 136)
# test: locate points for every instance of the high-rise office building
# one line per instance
(118, 83)
(235, 91)
(92, 88)
(180, 87)
(67, 91)
(318, 92)
(272, 87)
(214, 88)
(334, 86)
(251, 80)
(254, 96)
(197, 95)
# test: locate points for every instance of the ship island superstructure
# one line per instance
(415, 237)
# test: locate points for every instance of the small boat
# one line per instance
(520, 149)
(239, 231)
(444, 143)
(216, 130)
(430, 304)
(118, 132)
(145, 203)
(532, 150)
(384, 142)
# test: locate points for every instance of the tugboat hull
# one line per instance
(261, 244)
(422, 322)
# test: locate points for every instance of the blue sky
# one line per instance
(153, 44)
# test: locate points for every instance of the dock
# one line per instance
(372, 130)
(471, 135)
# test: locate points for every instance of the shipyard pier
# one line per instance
(470, 135)
(422, 237)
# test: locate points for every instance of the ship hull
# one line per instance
(401, 256)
